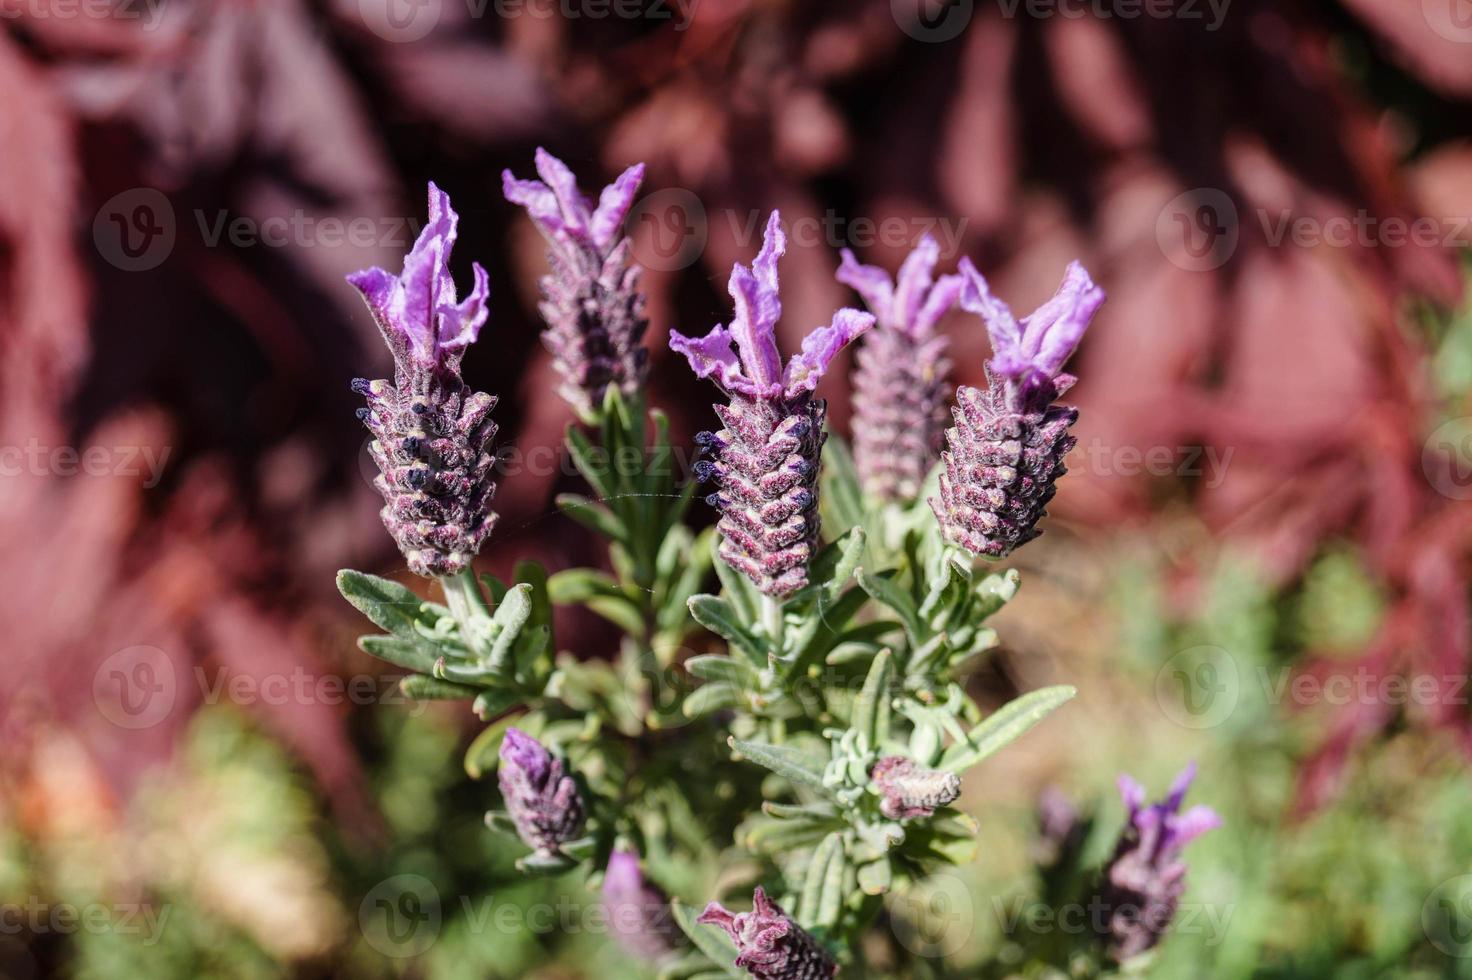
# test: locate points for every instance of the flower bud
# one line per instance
(542, 800)
(770, 945)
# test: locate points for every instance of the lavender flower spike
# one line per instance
(638, 912)
(431, 432)
(767, 456)
(909, 790)
(1144, 882)
(771, 946)
(542, 800)
(590, 300)
(900, 387)
(1006, 449)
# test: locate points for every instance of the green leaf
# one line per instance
(882, 589)
(717, 696)
(488, 704)
(791, 764)
(511, 615)
(871, 710)
(388, 604)
(876, 877)
(709, 940)
(593, 516)
(832, 567)
(714, 667)
(822, 890)
(842, 498)
(737, 590)
(716, 615)
(590, 462)
(418, 687)
(414, 654)
(800, 811)
(1005, 725)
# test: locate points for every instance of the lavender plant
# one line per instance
(824, 724)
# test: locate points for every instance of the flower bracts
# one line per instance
(900, 386)
(908, 790)
(590, 300)
(541, 799)
(771, 946)
(638, 912)
(432, 433)
(1007, 447)
(766, 458)
(1144, 882)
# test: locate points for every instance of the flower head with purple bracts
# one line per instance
(900, 386)
(1144, 882)
(590, 300)
(767, 456)
(908, 790)
(770, 945)
(638, 912)
(1006, 449)
(540, 797)
(431, 432)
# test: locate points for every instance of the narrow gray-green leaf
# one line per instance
(1005, 725)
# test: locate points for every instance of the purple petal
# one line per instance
(416, 303)
(1008, 357)
(460, 325)
(1131, 792)
(613, 206)
(754, 328)
(806, 369)
(940, 301)
(709, 355)
(869, 281)
(774, 246)
(1179, 787)
(1195, 822)
(913, 280)
(716, 915)
(564, 185)
(1051, 333)
(377, 287)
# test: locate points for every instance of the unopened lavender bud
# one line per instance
(432, 433)
(590, 300)
(767, 454)
(1006, 449)
(770, 945)
(1145, 880)
(540, 797)
(638, 912)
(900, 386)
(908, 790)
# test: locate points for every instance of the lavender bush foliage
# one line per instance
(824, 728)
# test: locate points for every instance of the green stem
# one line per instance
(467, 604)
(772, 622)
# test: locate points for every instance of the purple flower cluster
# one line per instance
(900, 386)
(766, 457)
(1144, 881)
(431, 432)
(908, 790)
(638, 912)
(590, 300)
(770, 945)
(1006, 449)
(540, 797)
